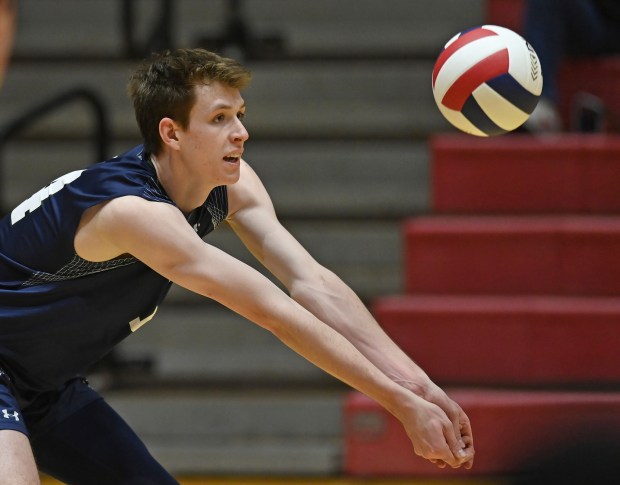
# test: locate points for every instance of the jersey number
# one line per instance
(34, 202)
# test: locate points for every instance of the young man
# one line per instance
(86, 261)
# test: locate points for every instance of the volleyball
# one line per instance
(487, 80)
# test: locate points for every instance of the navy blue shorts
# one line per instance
(78, 438)
(11, 414)
(44, 410)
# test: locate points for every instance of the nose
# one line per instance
(240, 133)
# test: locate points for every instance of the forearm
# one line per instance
(333, 302)
(332, 352)
(255, 297)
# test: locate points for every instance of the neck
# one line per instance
(184, 190)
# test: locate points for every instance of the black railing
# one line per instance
(237, 34)
(159, 36)
(100, 133)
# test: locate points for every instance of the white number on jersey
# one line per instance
(34, 202)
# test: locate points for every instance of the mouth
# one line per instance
(233, 157)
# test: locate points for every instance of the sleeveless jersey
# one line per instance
(58, 312)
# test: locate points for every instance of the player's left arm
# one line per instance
(324, 294)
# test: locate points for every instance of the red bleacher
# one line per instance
(523, 174)
(507, 340)
(507, 13)
(504, 296)
(512, 429)
(565, 255)
(599, 77)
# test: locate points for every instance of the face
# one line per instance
(211, 145)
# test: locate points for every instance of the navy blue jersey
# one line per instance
(58, 312)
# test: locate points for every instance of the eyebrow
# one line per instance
(226, 106)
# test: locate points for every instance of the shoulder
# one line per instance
(131, 210)
(105, 230)
(126, 175)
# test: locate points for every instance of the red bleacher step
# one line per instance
(513, 255)
(525, 174)
(512, 429)
(594, 76)
(507, 340)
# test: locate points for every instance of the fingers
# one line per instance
(465, 429)
(441, 433)
(467, 438)
(469, 449)
(464, 436)
(462, 452)
(444, 449)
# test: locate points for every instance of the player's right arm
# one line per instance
(159, 236)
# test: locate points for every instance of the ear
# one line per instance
(168, 132)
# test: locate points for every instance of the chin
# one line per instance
(231, 179)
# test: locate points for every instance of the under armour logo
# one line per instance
(7, 415)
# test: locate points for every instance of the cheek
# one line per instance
(203, 138)
(197, 142)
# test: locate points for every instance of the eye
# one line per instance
(218, 118)
(241, 115)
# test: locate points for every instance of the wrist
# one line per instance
(400, 402)
(418, 383)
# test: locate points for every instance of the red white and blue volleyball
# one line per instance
(487, 80)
